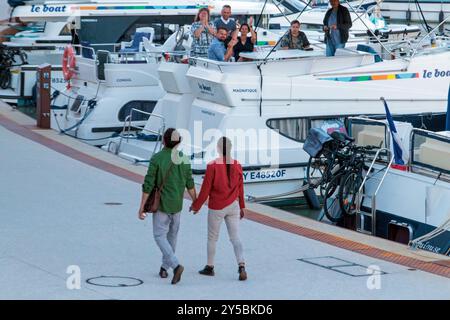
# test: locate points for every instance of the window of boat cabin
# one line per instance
(65, 31)
(430, 151)
(297, 128)
(115, 29)
(290, 6)
(164, 27)
(145, 106)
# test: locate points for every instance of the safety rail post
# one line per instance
(128, 126)
(43, 88)
(360, 195)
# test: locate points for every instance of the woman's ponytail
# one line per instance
(224, 145)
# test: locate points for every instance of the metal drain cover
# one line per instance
(114, 281)
(342, 266)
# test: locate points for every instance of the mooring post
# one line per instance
(43, 88)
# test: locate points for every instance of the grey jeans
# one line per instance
(231, 216)
(165, 231)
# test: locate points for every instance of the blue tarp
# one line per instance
(315, 141)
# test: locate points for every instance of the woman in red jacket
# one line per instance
(224, 185)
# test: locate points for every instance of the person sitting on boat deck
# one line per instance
(336, 24)
(244, 42)
(217, 50)
(203, 33)
(295, 39)
(225, 20)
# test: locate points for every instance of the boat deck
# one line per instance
(65, 203)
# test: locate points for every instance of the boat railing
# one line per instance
(430, 35)
(131, 131)
(361, 195)
(117, 57)
(84, 51)
(285, 56)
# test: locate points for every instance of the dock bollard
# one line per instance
(43, 88)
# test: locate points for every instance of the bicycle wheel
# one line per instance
(316, 170)
(331, 205)
(348, 190)
(5, 79)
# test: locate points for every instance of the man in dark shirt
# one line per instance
(225, 21)
(294, 39)
(336, 24)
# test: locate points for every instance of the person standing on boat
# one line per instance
(203, 33)
(336, 24)
(224, 186)
(225, 20)
(244, 43)
(171, 170)
(217, 50)
(295, 39)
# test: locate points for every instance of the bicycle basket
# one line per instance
(315, 141)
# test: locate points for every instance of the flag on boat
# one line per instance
(400, 154)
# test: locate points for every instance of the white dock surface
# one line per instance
(53, 215)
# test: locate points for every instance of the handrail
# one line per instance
(81, 47)
(384, 176)
(129, 120)
(373, 197)
(415, 49)
(359, 17)
(371, 167)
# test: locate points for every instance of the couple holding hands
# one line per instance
(224, 186)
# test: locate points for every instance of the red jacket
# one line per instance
(215, 185)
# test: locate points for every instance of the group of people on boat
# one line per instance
(224, 39)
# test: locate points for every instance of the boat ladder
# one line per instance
(360, 214)
(130, 131)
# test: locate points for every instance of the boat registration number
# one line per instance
(264, 174)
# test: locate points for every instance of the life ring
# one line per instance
(68, 63)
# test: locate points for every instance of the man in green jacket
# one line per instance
(171, 164)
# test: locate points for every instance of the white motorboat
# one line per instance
(104, 22)
(366, 23)
(432, 11)
(119, 82)
(409, 205)
(268, 106)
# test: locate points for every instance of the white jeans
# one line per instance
(231, 215)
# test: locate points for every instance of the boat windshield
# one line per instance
(291, 6)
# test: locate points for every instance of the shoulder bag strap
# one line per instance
(166, 176)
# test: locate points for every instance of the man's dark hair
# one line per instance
(226, 6)
(295, 22)
(222, 28)
(171, 138)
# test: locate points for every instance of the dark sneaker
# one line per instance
(242, 273)
(163, 273)
(207, 271)
(177, 274)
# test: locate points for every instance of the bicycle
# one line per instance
(8, 61)
(336, 169)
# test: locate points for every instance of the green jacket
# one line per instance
(180, 177)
